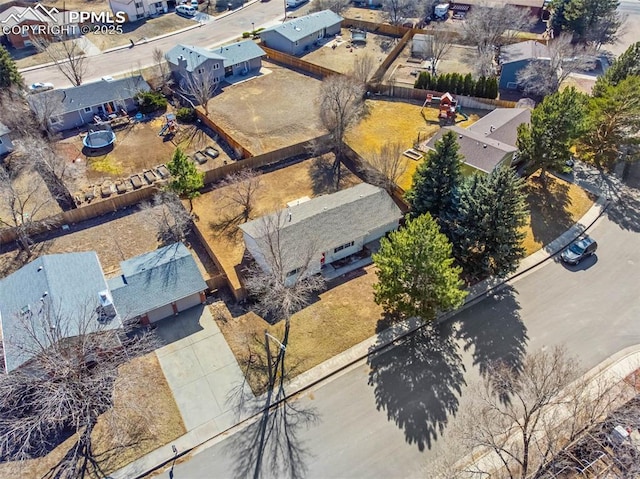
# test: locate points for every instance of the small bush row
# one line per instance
(458, 84)
(151, 101)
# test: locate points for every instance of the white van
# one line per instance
(186, 10)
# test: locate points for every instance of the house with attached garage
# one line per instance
(490, 142)
(299, 35)
(67, 292)
(515, 57)
(239, 58)
(24, 25)
(138, 9)
(158, 284)
(314, 233)
(76, 106)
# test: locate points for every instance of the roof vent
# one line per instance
(484, 146)
(460, 136)
(45, 294)
(40, 268)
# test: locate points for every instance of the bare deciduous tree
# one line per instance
(389, 164)
(22, 203)
(337, 6)
(442, 40)
(341, 104)
(544, 76)
(45, 107)
(396, 11)
(68, 382)
(67, 56)
(240, 189)
(200, 88)
(516, 421)
(363, 67)
(159, 59)
(282, 280)
(489, 27)
(169, 216)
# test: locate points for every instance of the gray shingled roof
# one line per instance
(195, 56)
(239, 52)
(16, 15)
(479, 151)
(528, 50)
(298, 28)
(502, 124)
(67, 284)
(155, 279)
(91, 94)
(327, 221)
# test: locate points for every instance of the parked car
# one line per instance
(580, 249)
(40, 86)
(186, 10)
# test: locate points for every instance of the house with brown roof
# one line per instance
(22, 25)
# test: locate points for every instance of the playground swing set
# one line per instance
(170, 127)
(447, 105)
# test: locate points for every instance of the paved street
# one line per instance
(127, 60)
(383, 419)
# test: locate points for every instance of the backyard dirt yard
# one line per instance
(460, 59)
(28, 57)
(154, 422)
(347, 306)
(263, 115)
(219, 217)
(343, 56)
(114, 237)
(138, 147)
(391, 121)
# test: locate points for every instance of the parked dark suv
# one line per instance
(580, 249)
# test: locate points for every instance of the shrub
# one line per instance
(469, 85)
(246, 34)
(151, 101)
(480, 87)
(491, 88)
(186, 115)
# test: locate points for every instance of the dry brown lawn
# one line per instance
(24, 60)
(271, 111)
(341, 317)
(553, 210)
(398, 121)
(127, 434)
(217, 215)
(343, 57)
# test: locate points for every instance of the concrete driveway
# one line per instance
(202, 372)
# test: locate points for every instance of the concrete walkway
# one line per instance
(195, 439)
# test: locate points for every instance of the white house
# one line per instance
(138, 9)
(326, 228)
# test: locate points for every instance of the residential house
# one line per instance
(6, 146)
(60, 290)
(76, 106)
(325, 229)
(23, 25)
(218, 63)
(490, 142)
(515, 57)
(138, 9)
(158, 284)
(299, 35)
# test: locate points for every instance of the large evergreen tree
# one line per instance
(9, 74)
(555, 123)
(186, 180)
(612, 124)
(590, 21)
(436, 181)
(626, 64)
(488, 233)
(416, 275)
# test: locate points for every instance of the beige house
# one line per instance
(138, 9)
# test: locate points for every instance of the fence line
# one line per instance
(298, 63)
(231, 141)
(391, 57)
(417, 94)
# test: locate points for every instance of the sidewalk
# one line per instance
(190, 441)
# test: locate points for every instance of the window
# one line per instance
(344, 246)
(512, 86)
(54, 120)
(216, 66)
(88, 109)
(293, 272)
(138, 4)
(158, 5)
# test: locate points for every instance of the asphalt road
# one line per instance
(384, 418)
(127, 60)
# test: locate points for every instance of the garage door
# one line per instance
(188, 302)
(160, 313)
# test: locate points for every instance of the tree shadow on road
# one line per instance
(419, 382)
(549, 207)
(495, 332)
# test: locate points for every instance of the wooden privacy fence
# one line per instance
(377, 28)
(82, 213)
(298, 63)
(391, 57)
(417, 94)
(226, 136)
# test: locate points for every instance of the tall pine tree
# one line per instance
(436, 182)
(488, 233)
(626, 64)
(9, 74)
(416, 275)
